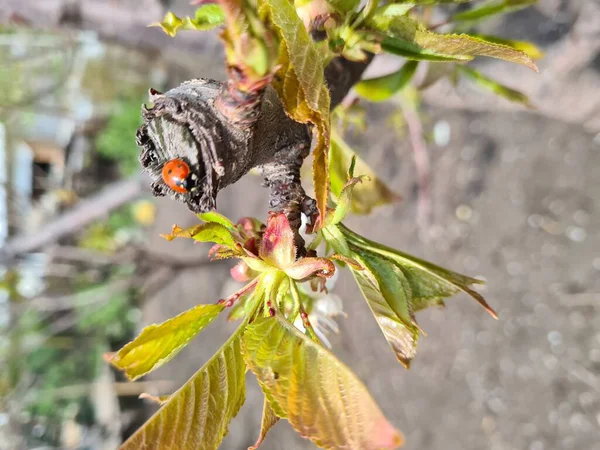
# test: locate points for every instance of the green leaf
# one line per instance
(393, 10)
(529, 48)
(429, 283)
(269, 418)
(207, 17)
(215, 217)
(492, 8)
(493, 86)
(197, 416)
(383, 88)
(304, 383)
(364, 196)
(389, 299)
(300, 83)
(405, 34)
(158, 344)
(206, 232)
(413, 52)
(217, 233)
(343, 6)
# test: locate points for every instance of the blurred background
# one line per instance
(511, 194)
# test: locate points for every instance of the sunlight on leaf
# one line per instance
(215, 217)
(269, 418)
(396, 285)
(402, 336)
(405, 33)
(300, 83)
(426, 279)
(493, 86)
(197, 416)
(207, 17)
(529, 48)
(158, 344)
(207, 232)
(313, 390)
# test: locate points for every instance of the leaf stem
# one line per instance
(365, 13)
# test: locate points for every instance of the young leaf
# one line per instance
(158, 344)
(207, 17)
(365, 195)
(207, 232)
(304, 383)
(428, 282)
(277, 245)
(394, 9)
(403, 32)
(493, 86)
(197, 416)
(491, 9)
(269, 418)
(215, 217)
(300, 83)
(383, 88)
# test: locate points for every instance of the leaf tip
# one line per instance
(386, 436)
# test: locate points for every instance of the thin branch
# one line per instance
(421, 156)
(74, 220)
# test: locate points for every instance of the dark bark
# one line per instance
(222, 133)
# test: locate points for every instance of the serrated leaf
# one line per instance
(401, 335)
(383, 88)
(529, 48)
(366, 195)
(492, 8)
(428, 281)
(160, 399)
(215, 217)
(407, 34)
(207, 232)
(269, 418)
(207, 17)
(300, 83)
(197, 416)
(493, 86)
(304, 383)
(158, 344)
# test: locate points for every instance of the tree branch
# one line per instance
(72, 221)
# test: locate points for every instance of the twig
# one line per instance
(72, 221)
(417, 141)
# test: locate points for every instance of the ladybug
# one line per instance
(175, 175)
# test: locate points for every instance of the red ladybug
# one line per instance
(175, 173)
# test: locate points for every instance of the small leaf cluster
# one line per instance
(302, 381)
